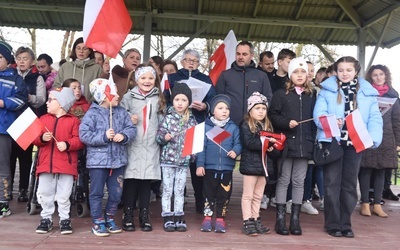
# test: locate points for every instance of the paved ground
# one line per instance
(18, 231)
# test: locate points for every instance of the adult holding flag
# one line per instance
(384, 159)
(190, 62)
(13, 97)
(341, 95)
(242, 80)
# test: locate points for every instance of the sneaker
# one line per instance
(321, 205)
(23, 196)
(99, 228)
(112, 227)
(264, 202)
(180, 226)
(289, 207)
(4, 209)
(220, 225)
(206, 225)
(249, 227)
(273, 202)
(261, 229)
(65, 226)
(45, 226)
(308, 208)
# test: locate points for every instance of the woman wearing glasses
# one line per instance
(81, 67)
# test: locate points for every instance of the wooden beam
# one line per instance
(382, 14)
(318, 44)
(350, 11)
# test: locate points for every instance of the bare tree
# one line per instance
(32, 33)
(64, 43)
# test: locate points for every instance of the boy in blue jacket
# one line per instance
(216, 163)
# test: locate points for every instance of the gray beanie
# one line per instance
(217, 99)
(65, 97)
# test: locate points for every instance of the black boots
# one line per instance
(280, 225)
(127, 219)
(144, 220)
(294, 227)
(23, 195)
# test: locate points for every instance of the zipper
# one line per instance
(301, 126)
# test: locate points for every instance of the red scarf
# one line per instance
(382, 89)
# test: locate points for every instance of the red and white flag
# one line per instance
(217, 135)
(329, 125)
(146, 116)
(224, 56)
(194, 140)
(111, 89)
(25, 129)
(358, 132)
(165, 83)
(106, 24)
(264, 143)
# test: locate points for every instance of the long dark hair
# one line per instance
(386, 71)
(73, 52)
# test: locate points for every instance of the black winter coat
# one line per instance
(251, 161)
(299, 140)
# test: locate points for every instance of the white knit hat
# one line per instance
(297, 63)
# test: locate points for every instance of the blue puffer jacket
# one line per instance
(215, 158)
(366, 103)
(101, 152)
(14, 94)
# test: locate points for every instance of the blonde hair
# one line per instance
(265, 123)
(308, 89)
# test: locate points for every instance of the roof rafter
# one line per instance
(351, 12)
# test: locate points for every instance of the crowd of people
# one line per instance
(132, 140)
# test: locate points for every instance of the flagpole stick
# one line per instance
(51, 134)
(305, 120)
(110, 115)
(220, 146)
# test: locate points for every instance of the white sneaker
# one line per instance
(152, 197)
(273, 202)
(289, 207)
(308, 208)
(321, 204)
(264, 202)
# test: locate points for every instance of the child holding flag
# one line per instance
(106, 129)
(144, 103)
(216, 163)
(251, 162)
(341, 95)
(58, 159)
(174, 166)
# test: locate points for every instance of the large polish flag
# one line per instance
(26, 128)
(165, 83)
(217, 135)
(358, 132)
(106, 24)
(224, 56)
(329, 125)
(194, 140)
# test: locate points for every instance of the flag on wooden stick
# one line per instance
(194, 140)
(329, 125)
(358, 132)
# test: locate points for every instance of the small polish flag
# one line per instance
(25, 129)
(194, 140)
(358, 132)
(329, 125)
(106, 24)
(224, 56)
(165, 83)
(111, 89)
(217, 135)
(146, 116)
(264, 143)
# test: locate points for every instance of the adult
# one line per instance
(43, 64)
(26, 68)
(376, 162)
(99, 58)
(242, 80)
(319, 76)
(169, 67)
(266, 62)
(190, 62)
(340, 95)
(157, 62)
(81, 67)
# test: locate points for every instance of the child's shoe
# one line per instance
(180, 224)
(127, 219)
(144, 220)
(206, 225)
(111, 226)
(249, 227)
(261, 229)
(45, 226)
(99, 228)
(220, 225)
(4, 209)
(65, 226)
(169, 224)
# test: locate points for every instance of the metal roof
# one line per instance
(334, 22)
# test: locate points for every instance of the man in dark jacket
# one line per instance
(242, 80)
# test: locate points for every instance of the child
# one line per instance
(58, 159)
(174, 167)
(107, 154)
(216, 164)
(13, 97)
(289, 106)
(251, 165)
(143, 152)
(81, 105)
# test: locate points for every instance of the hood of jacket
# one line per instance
(236, 67)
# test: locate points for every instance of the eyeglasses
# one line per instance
(25, 59)
(82, 48)
(190, 60)
(49, 100)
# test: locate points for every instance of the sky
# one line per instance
(49, 41)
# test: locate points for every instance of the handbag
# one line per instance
(327, 152)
